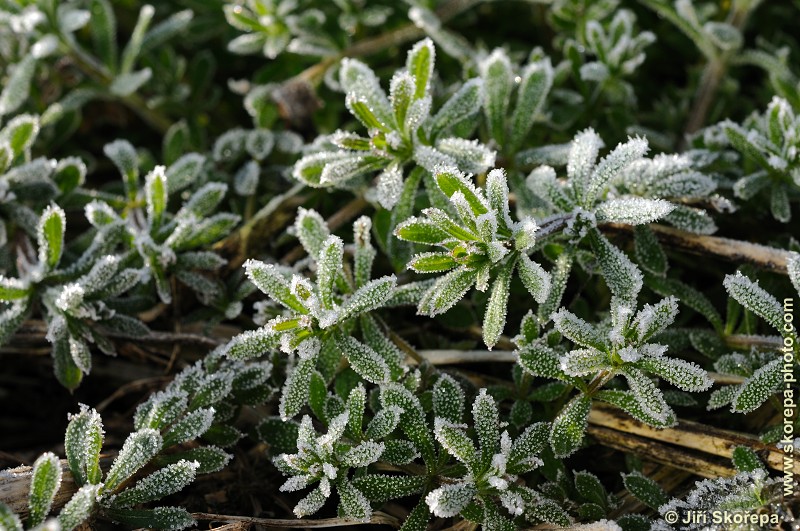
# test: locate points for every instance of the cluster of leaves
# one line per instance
(475, 179)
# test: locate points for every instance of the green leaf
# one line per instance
(365, 361)
(420, 63)
(648, 251)
(45, 480)
(368, 297)
(456, 443)
(157, 485)
(494, 321)
(741, 141)
(623, 277)
(168, 518)
(82, 443)
(420, 231)
(535, 279)
(379, 488)
(449, 499)
(746, 460)
(131, 51)
(19, 134)
(156, 195)
(590, 488)
(452, 180)
(758, 388)
(353, 502)
(432, 263)
(79, 508)
(498, 79)
(645, 490)
(628, 402)
(50, 236)
(209, 458)
(294, 394)
(269, 280)
(538, 360)
(461, 106)
(526, 448)
(10, 521)
(412, 421)
(18, 86)
(753, 297)
(448, 399)
(537, 79)
(139, 448)
(688, 295)
(566, 433)
(447, 291)
(104, 32)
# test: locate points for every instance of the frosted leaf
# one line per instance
(465, 103)
(296, 483)
(542, 182)
(539, 360)
(448, 399)
(611, 165)
(384, 422)
(383, 487)
(569, 426)
(537, 79)
(308, 170)
(793, 268)
(525, 234)
(329, 266)
(582, 156)
(535, 279)
(431, 158)
(212, 389)
(524, 451)
(161, 409)
(269, 280)
(139, 448)
(311, 229)
(245, 182)
(70, 298)
(494, 319)
(17, 85)
(599, 525)
(412, 422)
(623, 277)
(190, 427)
(312, 503)
(578, 330)
(691, 219)
(124, 157)
(159, 484)
(79, 351)
(250, 344)
(652, 320)
(455, 442)
(401, 94)
(753, 297)
(682, 374)
(446, 292)
(229, 145)
(448, 500)
(50, 236)
(647, 394)
(45, 481)
(82, 443)
(644, 489)
(359, 80)
(497, 196)
(758, 388)
(294, 394)
(418, 112)
(364, 360)
(390, 186)
(420, 64)
(469, 155)
(487, 425)
(349, 167)
(364, 454)
(259, 143)
(79, 508)
(585, 361)
(353, 502)
(498, 81)
(633, 210)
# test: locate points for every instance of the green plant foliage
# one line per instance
(313, 235)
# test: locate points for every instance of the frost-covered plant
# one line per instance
(169, 419)
(772, 142)
(617, 49)
(275, 26)
(483, 242)
(763, 371)
(491, 469)
(620, 347)
(326, 460)
(316, 320)
(401, 130)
